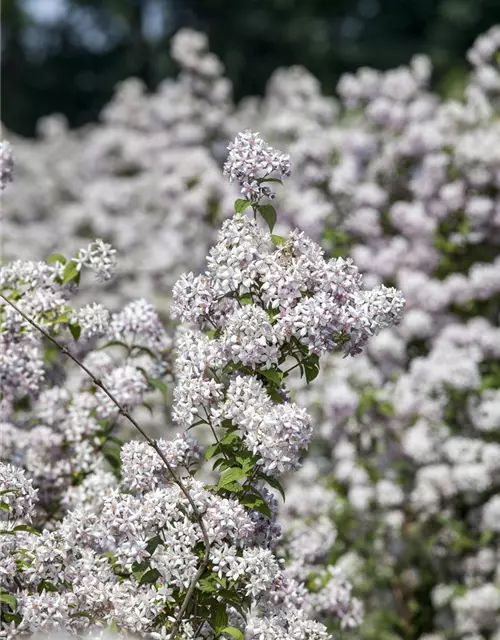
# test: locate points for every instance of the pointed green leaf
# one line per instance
(273, 375)
(235, 633)
(268, 212)
(70, 272)
(76, 331)
(230, 437)
(246, 298)
(278, 240)
(220, 618)
(274, 483)
(256, 502)
(8, 599)
(159, 384)
(240, 205)
(149, 577)
(26, 527)
(278, 180)
(211, 451)
(55, 257)
(229, 476)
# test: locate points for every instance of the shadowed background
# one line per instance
(67, 55)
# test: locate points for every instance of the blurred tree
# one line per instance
(329, 37)
(67, 55)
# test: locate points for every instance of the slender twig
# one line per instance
(292, 368)
(152, 443)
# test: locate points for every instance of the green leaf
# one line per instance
(271, 180)
(240, 205)
(386, 408)
(268, 212)
(235, 633)
(10, 600)
(278, 240)
(229, 476)
(220, 618)
(246, 298)
(222, 463)
(256, 502)
(274, 395)
(71, 272)
(113, 627)
(274, 375)
(76, 331)
(55, 257)
(208, 584)
(274, 483)
(234, 487)
(64, 317)
(159, 384)
(45, 585)
(211, 451)
(112, 343)
(4, 506)
(149, 577)
(26, 527)
(153, 544)
(111, 451)
(246, 459)
(311, 367)
(230, 437)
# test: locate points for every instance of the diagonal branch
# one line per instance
(126, 414)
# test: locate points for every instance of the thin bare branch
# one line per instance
(126, 414)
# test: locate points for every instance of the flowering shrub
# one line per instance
(144, 546)
(411, 429)
(400, 491)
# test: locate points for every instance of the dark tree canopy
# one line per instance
(66, 55)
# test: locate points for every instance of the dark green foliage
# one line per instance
(71, 64)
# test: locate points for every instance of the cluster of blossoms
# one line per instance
(57, 425)
(251, 161)
(125, 538)
(6, 164)
(268, 300)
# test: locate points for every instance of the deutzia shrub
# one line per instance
(401, 492)
(409, 435)
(127, 539)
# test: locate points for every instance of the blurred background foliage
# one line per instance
(67, 55)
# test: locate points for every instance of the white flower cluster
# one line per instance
(17, 494)
(6, 164)
(278, 433)
(142, 469)
(267, 304)
(62, 441)
(42, 292)
(93, 320)
(321, 304)
(138, 323)
(251, 161)
(100, 257)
